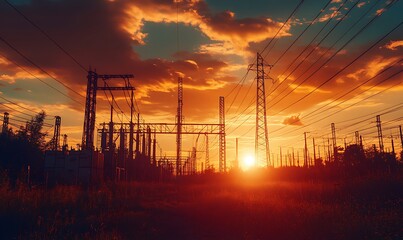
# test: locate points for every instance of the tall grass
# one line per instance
(246, 208)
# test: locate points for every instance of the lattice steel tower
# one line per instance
(56, 134)
(222, 164)
(380, 136)
(5, 122)
(179, 120)
(262, 151)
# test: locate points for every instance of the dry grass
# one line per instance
(364, 208)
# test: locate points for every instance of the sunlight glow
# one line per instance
(248, 162)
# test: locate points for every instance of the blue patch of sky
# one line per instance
(255, 8)
(372, 33)
(28, 89)
(162, 40)
(20, 2)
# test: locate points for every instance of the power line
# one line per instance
(40, 68)
(315, 47)
(278, 31)
(342, 69)
(45, 34)
(21, 106)
(47, 84)
(302, 33)
(329, 115)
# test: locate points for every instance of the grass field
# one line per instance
(224, 207)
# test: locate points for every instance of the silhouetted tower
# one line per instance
(357, 138)
(281, 157)
(6, 119)
(207, 154)
(236, 154)
(393, 147)
(179, 119)
(305, 151)
(138, 134)
(154, 157)
(122, 147)
(131, 133)
(401, 135)
(334, 142)
(103, 139)
(65, 145)
(222, 164)
(91, 100)
(380, 137)
(89, 115)
(314, 149)
(56, 134)
(262, 151)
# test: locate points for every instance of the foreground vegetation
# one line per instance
(235, 206)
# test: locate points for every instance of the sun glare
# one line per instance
(248, 162)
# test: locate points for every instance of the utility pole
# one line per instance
(281, 158)
(110, 163)
(131, 134)
(236, 155)
(328, 149)
(262, 151)
(393, 148)
(334, 142)
(138, 134)
(207, 164)
(380, 137)
(401, 135)
(314, 149)
(305, 151)
(345, 143)
(6, 122)
(222, 142)
(65, 145)
(357, 138)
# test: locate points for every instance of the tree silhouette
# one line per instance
(24, 149)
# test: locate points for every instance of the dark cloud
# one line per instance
(293, 120)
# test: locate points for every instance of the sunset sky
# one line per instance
(341, 65)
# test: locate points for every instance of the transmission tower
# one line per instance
(207, 164)
(89, 115)
(380, 137)
(5, 122)
(91, 101)
(262, 151)
(65, 145)
(334, 142)
(179, 120)
(357, 138)
(222, 155)
(56, 134)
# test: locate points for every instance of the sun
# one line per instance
(248, 162)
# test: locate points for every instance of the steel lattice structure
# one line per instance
(91, 101)
(222, 164)
(56, 134)
(262, 151)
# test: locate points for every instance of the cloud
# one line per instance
(293, 120)
(361, 4)
(372, 67)
(393, 45)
